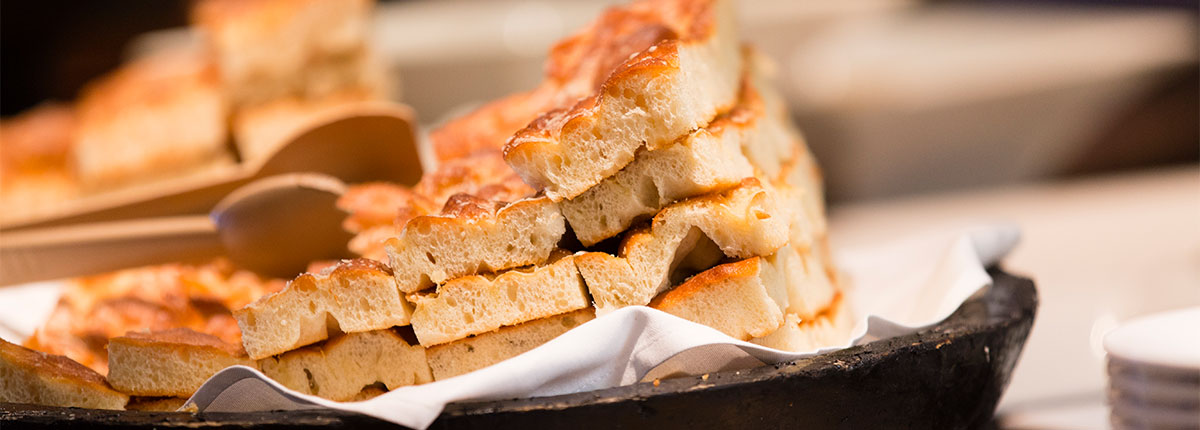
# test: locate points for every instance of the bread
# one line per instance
(803, 176)
(169, 363)
(490, 126)
(368, 393)
(471, 236)
(93, 309)
(380, 211)
(743, 299)
(694, 234)
(678, 84)
(478, 304)
(28, 376)
(829, 328)
(352, 296)
(270, 49)
(810, 289)
(35, 174)
(158, 116)
(155, 404)
(342, 367)
(375, 210)
(380, 203)
(259, 130)
(482, 174)
(706, 160)
(476, 352)
(781, 142)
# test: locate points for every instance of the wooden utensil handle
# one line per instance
(84, 249)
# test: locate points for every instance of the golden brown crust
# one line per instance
(50, 365)
(346, 269)
(703, 280)
(466, 208)
(179, 337)
(488, 127)
(94, 309)
(625, 41)
(380, 203)
(577, 67)
(470, 207)
(357, 266)
(483, 174)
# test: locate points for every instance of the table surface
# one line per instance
(1102, 251)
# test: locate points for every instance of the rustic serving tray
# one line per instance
(949, 376)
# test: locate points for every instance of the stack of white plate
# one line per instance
(1154, 371)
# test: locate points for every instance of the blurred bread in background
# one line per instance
(261, 129)
(285, 63)
(271, 49)
(35, 150)
(158, 116)
(94, 309)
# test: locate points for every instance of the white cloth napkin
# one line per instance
(895, 288)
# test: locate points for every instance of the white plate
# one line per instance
(1167, 339)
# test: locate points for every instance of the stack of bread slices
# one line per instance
(656, 165)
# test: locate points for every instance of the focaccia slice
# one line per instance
(476, 352)
(474, 236)
(743, 299)
(751, 297)
(479, 304)
(692, 235)
(349, 297)
(168, 363)
(34, 377)
(650, 99)
(341, 368)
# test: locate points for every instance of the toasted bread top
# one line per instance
(50, 365)
(352, 267)
(639, 38)
(483, 174)
(380, 203)
(490, 126)
(181, 337)
(307, 281)
(576, 68)
(582, 62)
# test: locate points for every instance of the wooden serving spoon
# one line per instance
(274, 226)
(357, 142)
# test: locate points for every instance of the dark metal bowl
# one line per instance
(950, 376)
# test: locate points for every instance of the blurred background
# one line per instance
(896, 97)
(1077, 120)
